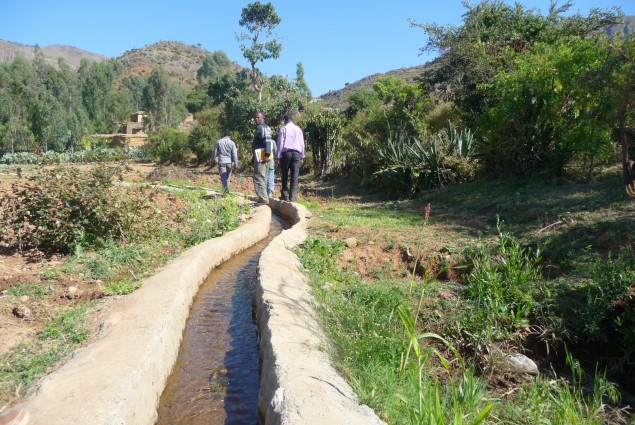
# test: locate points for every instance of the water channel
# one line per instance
(215, 379)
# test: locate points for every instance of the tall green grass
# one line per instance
(411, 376)
(376, 345)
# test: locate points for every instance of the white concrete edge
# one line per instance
(298, 384)
(119, 378)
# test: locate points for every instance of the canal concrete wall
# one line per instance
(298, 384)
(118, 378)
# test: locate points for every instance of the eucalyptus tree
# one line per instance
(97, 80)
(259, 20)
(164, 100)
(17, 81)
(134, 84)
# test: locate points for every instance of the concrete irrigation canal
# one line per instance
(215, 379)
(120, 377)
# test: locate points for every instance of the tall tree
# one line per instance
(300, 82)
(259, 20)
(164, 100)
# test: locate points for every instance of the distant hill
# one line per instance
(626, 27)
(337, 98)
(180, 60)
(72, 55)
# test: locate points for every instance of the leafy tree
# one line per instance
(407, 104)
(204, 134)
(164, 100)
(259, 20)
(621, 78)
(169, 146)
(214, 65)
(362, 99)
(558, 107)
(17, 81)
(97, 80)
(491, 34)
(134, 84)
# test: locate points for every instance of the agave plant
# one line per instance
(462, 142)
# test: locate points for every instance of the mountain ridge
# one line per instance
(72, 55)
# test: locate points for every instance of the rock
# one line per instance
(351, 242)
(24, 298)
(21, 312)
(72, 290)
(308, 215)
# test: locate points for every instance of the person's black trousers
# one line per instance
(290, 170)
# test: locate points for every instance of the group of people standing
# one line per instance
(288, 152)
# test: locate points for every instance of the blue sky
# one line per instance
(338, 42)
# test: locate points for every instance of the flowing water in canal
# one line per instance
(216, 376)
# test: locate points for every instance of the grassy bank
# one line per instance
(421, 307)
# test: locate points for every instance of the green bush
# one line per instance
(501, 289)
(201, 142)
(609, 312)
(169, 146)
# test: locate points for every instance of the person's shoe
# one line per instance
(284, 198)
(16, 416)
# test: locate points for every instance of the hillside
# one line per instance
(626, 27)
(72, 55)
(337, 98)
(178, 59)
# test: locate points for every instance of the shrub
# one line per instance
(60, 209)
(410, 165)
(169, 146)
(201, 142)
(501, 288)
(609, 312)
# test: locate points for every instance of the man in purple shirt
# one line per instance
(290, 154)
